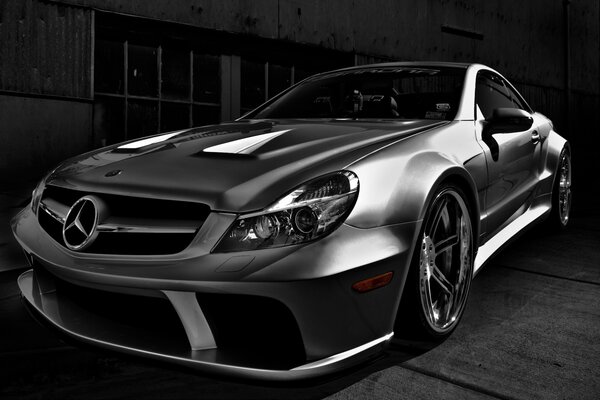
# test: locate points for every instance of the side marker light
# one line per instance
(373, 283)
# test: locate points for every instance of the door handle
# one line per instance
(535, 137)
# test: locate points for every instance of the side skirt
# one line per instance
(509, 231)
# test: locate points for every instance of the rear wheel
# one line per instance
(440, 275)
(561, 192)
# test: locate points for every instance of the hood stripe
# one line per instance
(148, 141)
(245, 145)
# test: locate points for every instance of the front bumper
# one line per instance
(336, 326)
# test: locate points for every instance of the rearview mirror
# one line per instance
(507, 120)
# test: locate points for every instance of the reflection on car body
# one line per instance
(294, 241)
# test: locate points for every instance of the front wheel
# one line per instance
(440, 275)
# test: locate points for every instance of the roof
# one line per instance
(411, 64)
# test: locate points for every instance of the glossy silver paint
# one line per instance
(242, 168)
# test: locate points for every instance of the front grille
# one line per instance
(129, 225)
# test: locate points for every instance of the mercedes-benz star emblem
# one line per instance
(79, 229)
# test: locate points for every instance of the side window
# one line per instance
(517, 99)
(490, 93)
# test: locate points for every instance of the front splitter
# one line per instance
(75, 321)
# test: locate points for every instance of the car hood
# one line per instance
(238, 167)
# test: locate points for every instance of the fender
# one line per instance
(555, 143)
(406, 190)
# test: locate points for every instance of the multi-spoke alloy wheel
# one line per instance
(564, 188)
(562, 197)
(445, 261)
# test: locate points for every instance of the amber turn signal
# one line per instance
(373, 283)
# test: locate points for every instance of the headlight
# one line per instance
(309, 212)
(36, 195)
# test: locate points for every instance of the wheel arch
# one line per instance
(456, 174)
(554, 221)
(406, 190)
(556, 146)
(459, 177)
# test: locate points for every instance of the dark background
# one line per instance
(79, 74)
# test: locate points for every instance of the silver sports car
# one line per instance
(296, 240)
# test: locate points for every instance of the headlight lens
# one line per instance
(309, 212)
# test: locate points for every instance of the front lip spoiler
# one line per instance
(47, 306)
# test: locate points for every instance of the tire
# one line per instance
(561, 193)
(441, 269)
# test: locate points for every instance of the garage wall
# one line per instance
(526, 41)
(45, 78)
(510, 35)
(45, 48)
(37, 133)
(549, 48)
(584, 81)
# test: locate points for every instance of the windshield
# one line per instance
(384, 93)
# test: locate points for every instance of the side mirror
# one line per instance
(508, 120)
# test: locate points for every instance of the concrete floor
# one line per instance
(531, 330)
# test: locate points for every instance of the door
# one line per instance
(511, 154)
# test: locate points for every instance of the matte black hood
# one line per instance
(238, 167)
